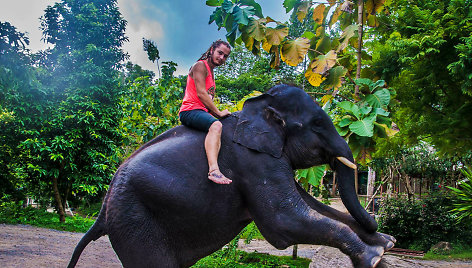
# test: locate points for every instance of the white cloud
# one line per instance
(138, 27)
(24, 15)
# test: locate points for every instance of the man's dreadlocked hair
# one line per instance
(215, 44)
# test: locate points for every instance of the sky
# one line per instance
(179, 28)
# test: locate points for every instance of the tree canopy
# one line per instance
(422, 49)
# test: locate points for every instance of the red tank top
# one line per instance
(191, 100)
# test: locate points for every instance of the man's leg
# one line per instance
(212, 148)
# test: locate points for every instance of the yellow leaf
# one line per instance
(293, 51)
(256, 29)
(303, 10)
(266, 45)
(318, 13)
(331, 2)
(248, 40)
(275, 36)
(314, 79)
(389, 131)
(323, 63)
(320, 30)
(326, 98)
(269, 19)
(373, 7)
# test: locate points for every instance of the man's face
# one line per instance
(220, 55)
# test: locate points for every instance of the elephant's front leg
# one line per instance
(285, 219)
(374, 239)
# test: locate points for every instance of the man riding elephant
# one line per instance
(198, 104)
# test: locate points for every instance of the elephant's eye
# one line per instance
(317, 124)
(317, 121)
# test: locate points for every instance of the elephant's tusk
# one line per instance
(346, 162)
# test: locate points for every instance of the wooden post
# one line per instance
(356, 180)
(333, 189)
(370, 184)
(295, 252)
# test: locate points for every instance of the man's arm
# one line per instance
(199, 74)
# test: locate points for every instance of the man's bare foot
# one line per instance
(217, 177)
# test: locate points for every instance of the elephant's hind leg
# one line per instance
(144, 246)
(137, 237)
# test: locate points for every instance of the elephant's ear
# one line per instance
(260, 127)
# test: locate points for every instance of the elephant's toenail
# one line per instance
(375, 261)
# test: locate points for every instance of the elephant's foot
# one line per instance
(389, 238)
(369, 259)
(378, 239)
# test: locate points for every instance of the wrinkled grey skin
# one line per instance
(162, 211)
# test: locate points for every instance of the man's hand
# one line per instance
(223, 113)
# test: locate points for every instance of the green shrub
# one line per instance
(462, 197)
(15, 213)
(421, 223)
(255, 260)
(90, 210)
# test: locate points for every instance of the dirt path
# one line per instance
(26, 246)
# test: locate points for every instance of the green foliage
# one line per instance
(310, 178)
(251, 232)
(463, 197)
(62, 133)
(15, 213)
(421, 162)
(245, 259)
(151, 49)
(366, 118)
(241, 74)
(459, 251)
(420, 224)
(422, 51)
(19, 90)
(149, 108)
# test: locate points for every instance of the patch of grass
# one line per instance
(458, 252)
(13, 213)
(91, 210)
(251, 232)
(253, 260)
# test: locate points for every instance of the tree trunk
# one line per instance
(295, 252)
(57, 197)
(370, 184)
(356, 180)
(409, 191)
(360, 31)
(333, 189)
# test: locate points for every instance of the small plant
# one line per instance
(462, 197)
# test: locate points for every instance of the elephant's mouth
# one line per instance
(346, 162)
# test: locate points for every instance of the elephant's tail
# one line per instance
(95, 232)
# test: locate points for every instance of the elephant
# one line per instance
(162, 211)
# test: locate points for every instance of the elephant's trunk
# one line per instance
(348, 194)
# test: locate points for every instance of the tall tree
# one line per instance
(73, 151)
(21, 104)
(423, 50)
